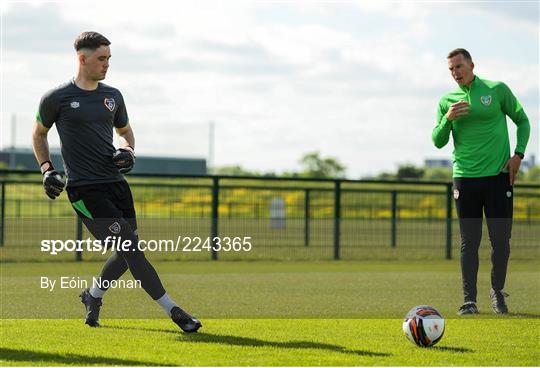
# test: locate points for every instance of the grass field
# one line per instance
(276, 342)
(270, 313)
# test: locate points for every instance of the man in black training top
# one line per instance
(85, 112)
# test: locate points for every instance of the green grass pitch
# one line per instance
(270, 314)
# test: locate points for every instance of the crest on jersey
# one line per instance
(74, 104)
(486, 100)
(109, 103)
(115, 228)
(456, 193)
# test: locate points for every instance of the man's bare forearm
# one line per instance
(126, 138)
(40, 145)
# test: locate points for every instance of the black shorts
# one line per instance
(98, 204)
(490, 195)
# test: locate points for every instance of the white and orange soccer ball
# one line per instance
(424, 326)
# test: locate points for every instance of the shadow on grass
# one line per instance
(21, 355)
(247, 341)
(453, 349)
(491, 315)
(524, 315)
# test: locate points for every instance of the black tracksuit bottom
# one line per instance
(492, 196)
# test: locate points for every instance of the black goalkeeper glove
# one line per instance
(124, 159)
(53, 183)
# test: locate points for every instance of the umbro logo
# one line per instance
(75, 104)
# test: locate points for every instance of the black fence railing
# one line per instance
(285, 218)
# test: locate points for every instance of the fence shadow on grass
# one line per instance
(22, 355)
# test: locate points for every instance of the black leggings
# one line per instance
(107, 210)
(492, 196)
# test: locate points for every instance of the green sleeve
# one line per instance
(511, 107)
(441, 132)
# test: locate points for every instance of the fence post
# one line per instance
(215, 215)
(449, 221)
(78, 254)
(2, 214)
(394, 218)
(306, 217)
(337, 217)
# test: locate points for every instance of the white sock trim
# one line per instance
(97, 292)
(166, 303)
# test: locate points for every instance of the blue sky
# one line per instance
(359, 81)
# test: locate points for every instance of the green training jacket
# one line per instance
(481, 143)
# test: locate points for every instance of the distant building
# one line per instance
(438, 162)
(528, 162)
(21, 158)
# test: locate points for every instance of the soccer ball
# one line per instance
(424, 326)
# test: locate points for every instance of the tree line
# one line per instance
(314, 165)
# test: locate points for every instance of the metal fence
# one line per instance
(284, 218)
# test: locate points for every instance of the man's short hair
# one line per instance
(463, 52)
(90, 40)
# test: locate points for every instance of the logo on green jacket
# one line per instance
(486, 100)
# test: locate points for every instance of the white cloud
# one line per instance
(356, 80)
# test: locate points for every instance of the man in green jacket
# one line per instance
(484, 173)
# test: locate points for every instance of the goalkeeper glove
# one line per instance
(53, 183)
(124, 159)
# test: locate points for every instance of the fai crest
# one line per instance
(115, 228)
(456, 193)
(109, 103)
(486, 100)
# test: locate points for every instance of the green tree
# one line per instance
(409, 171)
(386, 176)
(315, 166)
(236, 170)
(438, 173)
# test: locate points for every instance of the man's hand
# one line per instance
(457, 109)
(53, 183)
(513, 167)
(124, 159)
